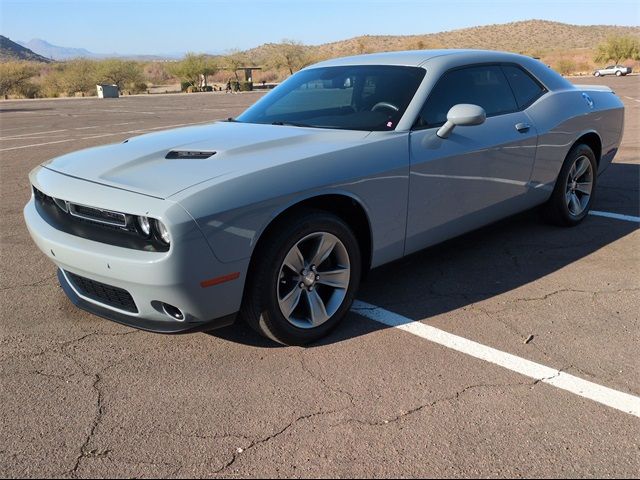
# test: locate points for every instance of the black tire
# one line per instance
(596, 74)
(260, 308)
(556, 209)
(618, 73)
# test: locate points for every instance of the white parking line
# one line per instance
(37, 144)
(617, 216)
(623, 402)
(17, 137)
(104, 135)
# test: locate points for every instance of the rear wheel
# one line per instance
(597, 74)
(575, 187)
(304, 280)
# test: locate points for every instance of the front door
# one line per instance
(478, 174)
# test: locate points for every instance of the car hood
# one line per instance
(140, 164)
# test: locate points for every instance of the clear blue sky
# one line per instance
(163, 26)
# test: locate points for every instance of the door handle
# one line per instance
(523, 127)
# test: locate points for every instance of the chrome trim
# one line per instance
(103, 305)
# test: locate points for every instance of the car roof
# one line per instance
(416, 58)
(439, 61)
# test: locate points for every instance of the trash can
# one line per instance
(107, 91)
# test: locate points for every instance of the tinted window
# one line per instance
(364, 97)
(484, 85)
(525, 88)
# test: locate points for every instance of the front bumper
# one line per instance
(154, 326)
(152, 279)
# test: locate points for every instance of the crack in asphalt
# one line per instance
(455, 397)
(242, 450)
(84, 453)
(40, 283)
(267, 439)
(573, 290)
(321, 379)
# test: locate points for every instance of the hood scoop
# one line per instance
(188, 155)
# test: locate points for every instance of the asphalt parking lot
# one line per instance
(84, 397)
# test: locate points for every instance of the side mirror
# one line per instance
(463, 114)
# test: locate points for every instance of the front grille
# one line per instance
(100, 292)
(106, 226)
(98, 215)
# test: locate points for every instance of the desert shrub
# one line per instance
(15, 76)
(51, 82)
(28, 90)
(293, 56)
(617, 49)
(136, 87)
(565, 66)
(190, 69)
(246, 86)
(156, 73)
(267, 76)
(78, 76)
(119, 72)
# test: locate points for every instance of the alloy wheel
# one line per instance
(579, 186)
(313, 280)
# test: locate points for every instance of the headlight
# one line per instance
(144, 225)
(163, 233)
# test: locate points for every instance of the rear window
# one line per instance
(525, 88)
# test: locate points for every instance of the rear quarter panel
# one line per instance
(561, 118)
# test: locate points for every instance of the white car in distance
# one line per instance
(617, 70)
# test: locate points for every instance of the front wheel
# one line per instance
(618, 73)
(575, 187)
(597, 74)
(304, 278)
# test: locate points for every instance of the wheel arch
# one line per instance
(345, 206)
(593, 141)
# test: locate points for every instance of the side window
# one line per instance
(482, 85)
(525, 88)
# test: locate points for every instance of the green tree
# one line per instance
(120, 72)
(78, 76)
(617, 49)
(291, 55)
(234, 61)
(15, 75)
(192, 66)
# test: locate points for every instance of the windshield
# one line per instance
(366, 97)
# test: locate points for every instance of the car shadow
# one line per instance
(481, 264)
(13, 110)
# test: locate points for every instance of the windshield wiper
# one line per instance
(292, 124)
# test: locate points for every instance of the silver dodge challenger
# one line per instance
(275, 216)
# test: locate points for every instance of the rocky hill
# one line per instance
(10, 51)
(532, 37)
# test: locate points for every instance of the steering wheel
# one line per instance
(388, 105)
